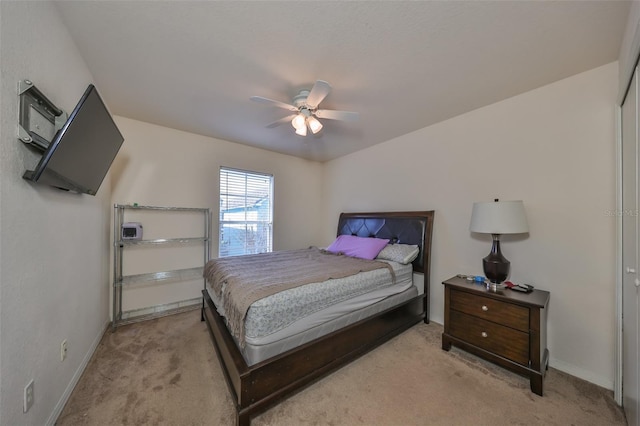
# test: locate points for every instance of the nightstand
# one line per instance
(508, 328)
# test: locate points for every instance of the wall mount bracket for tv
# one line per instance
(39, 118)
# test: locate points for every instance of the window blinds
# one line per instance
(246, 214)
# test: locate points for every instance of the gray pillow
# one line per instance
(401, 253)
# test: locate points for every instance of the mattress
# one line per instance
(255, 353)
(292, 312)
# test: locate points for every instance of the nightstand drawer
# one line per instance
(495, 338)
(508, 314)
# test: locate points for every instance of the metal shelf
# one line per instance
(180, 209)
(176, 275)
(121, 282)
(162, 241)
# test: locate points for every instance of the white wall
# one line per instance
(554, 148)
(55, 245)
(159, 166)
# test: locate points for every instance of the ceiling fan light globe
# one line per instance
(315, 125)
(298, 122)
(302, 131)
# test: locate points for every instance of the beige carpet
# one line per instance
(165, 372)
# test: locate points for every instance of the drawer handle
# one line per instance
(485, 308)
(484, 334)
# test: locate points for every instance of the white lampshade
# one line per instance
(499, 217)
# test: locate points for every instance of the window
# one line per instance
(246, 212)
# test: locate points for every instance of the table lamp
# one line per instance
(497, 218)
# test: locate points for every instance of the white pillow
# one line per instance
(401, 253)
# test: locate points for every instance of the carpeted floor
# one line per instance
(165, 372)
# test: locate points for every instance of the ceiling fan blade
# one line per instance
(279, 104)
(283, 120)
(330, 114)
(318, 92)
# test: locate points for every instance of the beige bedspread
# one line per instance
(246, 279)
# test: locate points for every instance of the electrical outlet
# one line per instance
(63, 350)
(28, 396)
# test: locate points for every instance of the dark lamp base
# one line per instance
(495, 271)
(495, 265)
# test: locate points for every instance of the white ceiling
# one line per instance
(402, 65)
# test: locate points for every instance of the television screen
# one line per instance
(80, 154)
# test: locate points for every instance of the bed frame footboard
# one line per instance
(256, 388)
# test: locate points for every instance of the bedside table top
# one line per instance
(537, 298)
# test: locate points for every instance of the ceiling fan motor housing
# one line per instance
(300, 100)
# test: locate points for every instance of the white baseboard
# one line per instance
(580, 373)
(571, 369)
(57, 410)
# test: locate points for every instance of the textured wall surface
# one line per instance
(55, 245)
(159, 166)
(553, 148)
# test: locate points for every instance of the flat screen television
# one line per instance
(81, 152)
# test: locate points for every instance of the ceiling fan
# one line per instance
(305, 109)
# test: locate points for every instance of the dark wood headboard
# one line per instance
(398, 227)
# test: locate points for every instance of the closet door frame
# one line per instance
(617, 383)
(627, 61)
(623, 283)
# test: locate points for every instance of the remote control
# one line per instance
(524, 288)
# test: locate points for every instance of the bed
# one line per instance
(262, 370)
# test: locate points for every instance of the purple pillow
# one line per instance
(364, 248)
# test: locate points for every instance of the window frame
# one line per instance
(226, 193)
